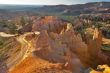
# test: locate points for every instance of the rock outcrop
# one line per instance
(49, 23)
(94, 50)
(62, 49)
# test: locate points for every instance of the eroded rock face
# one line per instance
(102, 69)
(69, 48)
(65, 48)
(87, 50)
(94, 45)
(50, 23)
(56, 48)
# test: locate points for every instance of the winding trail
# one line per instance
(26, 48)
(2, 34)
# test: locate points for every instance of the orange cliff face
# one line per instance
(50, 23)
(45, 59)
(52, 52)
(62, 52)
(95, 46)
(37, 65)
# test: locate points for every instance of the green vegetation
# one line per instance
(106, 47)
(6, 45)
(22, 21)
(8, 27)
(98, 24)
(3, 47)
(68, 18)
(3, 42)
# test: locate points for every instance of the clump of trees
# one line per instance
(13, 25)
(7, 26)
(106, 32)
